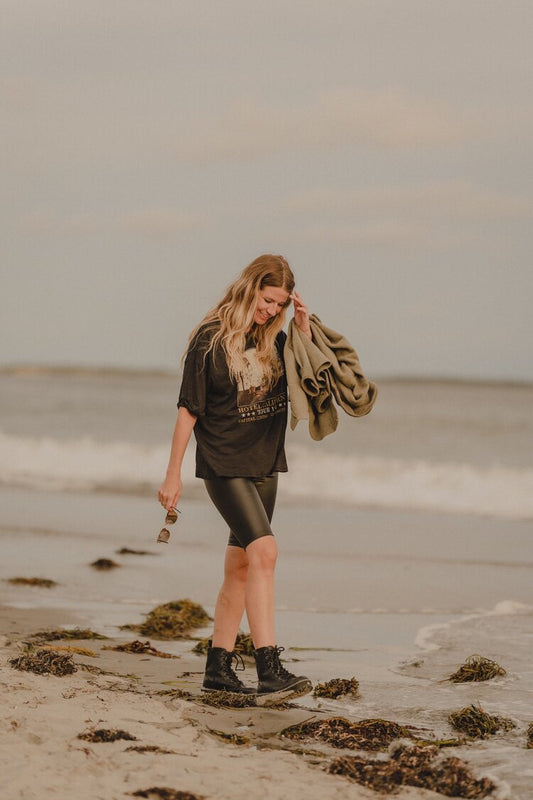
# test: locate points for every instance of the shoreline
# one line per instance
(211, 752)
(397, 601)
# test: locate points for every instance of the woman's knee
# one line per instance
(236, 565)
(262, 554)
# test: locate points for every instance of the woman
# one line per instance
(233, 395)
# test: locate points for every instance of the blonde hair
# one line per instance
(233, 317)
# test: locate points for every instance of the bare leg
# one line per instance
(259, 595)
(231, 598)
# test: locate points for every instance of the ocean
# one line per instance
(405, 537)
(427, 446)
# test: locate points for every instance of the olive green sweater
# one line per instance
(320, 372)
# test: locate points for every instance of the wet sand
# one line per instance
(42, 715)
(397, 600)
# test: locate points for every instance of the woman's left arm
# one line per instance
(301, 314)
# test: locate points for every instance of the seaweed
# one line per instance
(106, 735)
(367, 734)
(44, 662)
(217, 699)
(104, 563)
(164, 793)
(148, 748)
(173, 620)
(176, 694)
(477, 724)
(202, 646)
(244, 645)
(45, 583)
(94, 670)
(69, 648)
(233, 738)
(440, 742)
(337, 687)
(227, 699)
(127, 551)
(477, 668)
(529, 734)
(414, 766)
(139, 647)
(63, 633)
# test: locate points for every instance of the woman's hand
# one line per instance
(301, 314)
(169, 492)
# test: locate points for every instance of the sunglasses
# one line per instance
(170, 519)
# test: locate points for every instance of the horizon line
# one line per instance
(32, 369)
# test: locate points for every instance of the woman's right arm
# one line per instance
(170, 490)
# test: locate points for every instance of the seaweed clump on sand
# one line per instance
(63, 633)
(176, 694)
(477, 668)
(104, 563)
(164, 793)
(233, 738)
(337, 687)
(414, 766)
(368, 734)
(529, 734)
(217, 699)
(69, 648)
(106, 735)
(244, 645)
(139, 647)
(173, 620)
(477, 724)
(127, 551)
(149, 748)
(44, 662)
(220, 699)
(45, 583)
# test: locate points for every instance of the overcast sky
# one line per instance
(152, 148)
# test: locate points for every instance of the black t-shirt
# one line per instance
(240, 426)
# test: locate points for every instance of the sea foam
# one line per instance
(90, 465)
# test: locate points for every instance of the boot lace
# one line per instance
(239, 662)
(278, 666)
(227, 668)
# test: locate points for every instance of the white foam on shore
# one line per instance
(90, 465)
(425, 636)
(510, 607)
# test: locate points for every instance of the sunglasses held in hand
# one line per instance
(170, 519)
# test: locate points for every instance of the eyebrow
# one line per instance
(273, 300)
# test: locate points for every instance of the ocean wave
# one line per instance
(358, 481)
(82, 464)
(412, 484)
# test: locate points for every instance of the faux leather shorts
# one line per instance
(246, 504)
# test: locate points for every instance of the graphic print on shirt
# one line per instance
(253, 392)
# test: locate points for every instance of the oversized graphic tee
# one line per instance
(240, 430)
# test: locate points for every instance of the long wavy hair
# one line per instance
(233, 317)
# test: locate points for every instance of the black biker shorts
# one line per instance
(246, 504)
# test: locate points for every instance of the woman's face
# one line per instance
(271, 300)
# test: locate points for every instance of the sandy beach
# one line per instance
(42, 716)
(189, 748)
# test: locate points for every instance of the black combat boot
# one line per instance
(275, 682)
(219, 675)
